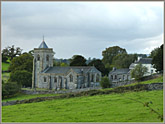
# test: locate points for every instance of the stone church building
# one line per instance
(71, 77)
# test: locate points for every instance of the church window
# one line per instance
(92, 77)
(71, 78)
(97, 78)
(55, 80)
(44, 79)
(38, 57)
(47, 58)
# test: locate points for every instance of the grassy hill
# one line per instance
(100, 108)
(5, 76)
(123, 107)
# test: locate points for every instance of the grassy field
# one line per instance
(5, 76)
(5, 66)
(100, 108)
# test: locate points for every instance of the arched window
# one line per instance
(38, 57)
(55, 80)
(47, 58)
(92, 77)
(97, 78)
(44, 79)
(71, 78)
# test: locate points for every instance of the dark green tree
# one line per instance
(22, 77)
(105, 82)
(78, 60)
(11, 52)
(99, 65)
(22, 62)
(109, 53)
(157, 58)
(123, 60)
(138, 72)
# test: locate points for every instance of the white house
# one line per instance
(147, 62)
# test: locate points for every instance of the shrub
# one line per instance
(138, 72)
(9, 89)
(23, 77)
(105, 82)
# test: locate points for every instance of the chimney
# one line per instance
(113, 69)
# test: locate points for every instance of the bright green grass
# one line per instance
(5, 66)
(156, 80)
(100, 108)
(25, 96)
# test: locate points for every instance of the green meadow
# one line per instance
(100, 108)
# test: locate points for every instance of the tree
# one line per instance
(105, 82)
(22, 77)
(11, 52)
(110, 53)
(4, 58)
(99, 65)
(138, 72)
(63, 64)
(157, 58)
(123, 60)
(78, 60)
(9, 89)
(22, 62)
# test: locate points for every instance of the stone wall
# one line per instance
(58, 92)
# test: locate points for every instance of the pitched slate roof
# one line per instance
(120, 71)
(144, 61)
(64, 70)
(43, 45)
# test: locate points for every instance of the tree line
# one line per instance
(21, 64)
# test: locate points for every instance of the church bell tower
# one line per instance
(43, 59)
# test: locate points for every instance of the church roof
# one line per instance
(43, 45)
(64, 70)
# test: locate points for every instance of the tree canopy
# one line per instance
(11, 52)
(22, 62)
(138, 72)
(157, 58)
(110, 53)
(99, 65)
(123, 60)
(78, 60)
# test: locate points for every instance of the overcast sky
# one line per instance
(84, 28)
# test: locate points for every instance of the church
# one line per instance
(57, 78)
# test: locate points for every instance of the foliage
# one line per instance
(138, 72)
(4, 58)
(111, 52)
(9, 89)
(5, 66)
(105, 82)
(123, 60)
(22, 62)
(63, 64)
(157, 58)
(100, 108)
(78, 60)
(99, 65)
(11, 52)
(23, 77)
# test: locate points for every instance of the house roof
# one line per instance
(144, 61)
(120, 71)
(43, 45)
(64, 70)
